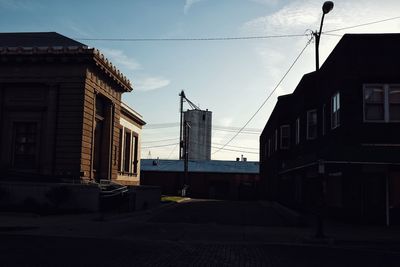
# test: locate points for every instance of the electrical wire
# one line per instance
(253, 148)
(191, 39)
(172, 151)
(265, 101)
(147, 147)
(362, 25)
(161, 140)
(332, 34)
(232, 131)
(234, 150)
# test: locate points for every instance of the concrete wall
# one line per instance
(146, 196)
(233, 186)
(199, 134)
(72, 197)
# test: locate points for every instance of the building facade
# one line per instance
(130, 133)
(215, 179)
(61, 114)
(335, 141)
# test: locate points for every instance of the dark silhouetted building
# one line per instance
(335, 141)
(216, 179)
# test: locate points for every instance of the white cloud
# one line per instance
(296, 17)
(189, 4)
(150, 83)
(300, 15)
(120, 59)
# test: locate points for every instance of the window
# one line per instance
(276, 140)
(381, 103)
(335, 110)
(312, 124)
(135, 153)
(127, 151)
(285, 136)
(25, 145)
(394, 103)
(323, 119)
(297, 131)
(269, 147)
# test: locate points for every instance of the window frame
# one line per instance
(386, 102)
(25, 141)
(297, 129)
(282, 136)
(308, 125)
(335, 114)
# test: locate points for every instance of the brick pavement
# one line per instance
(182, 235)
(66, 251)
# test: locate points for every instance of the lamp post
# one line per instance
(326, 8)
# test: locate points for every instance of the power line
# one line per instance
(234, 150)
(172, 151)
(254, 148)
(232, 131)
(161, 140)
(332, 34)
(191, 39)
(265, 101)
(145, 147)
(361, 25)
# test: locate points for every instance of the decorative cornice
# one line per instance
(100, 60)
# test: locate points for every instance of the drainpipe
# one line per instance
(93, 131)
(112, 111)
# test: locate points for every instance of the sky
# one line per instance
(231, 78)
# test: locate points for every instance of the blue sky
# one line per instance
(230, 78)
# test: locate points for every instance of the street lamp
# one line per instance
(326, 8)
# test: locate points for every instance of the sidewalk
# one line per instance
(341, 233)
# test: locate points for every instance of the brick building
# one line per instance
(61, 116)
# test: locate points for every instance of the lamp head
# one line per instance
(327, 7)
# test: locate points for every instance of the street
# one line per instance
(192, 233)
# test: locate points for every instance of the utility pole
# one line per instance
(186, 159)
(182, 95)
